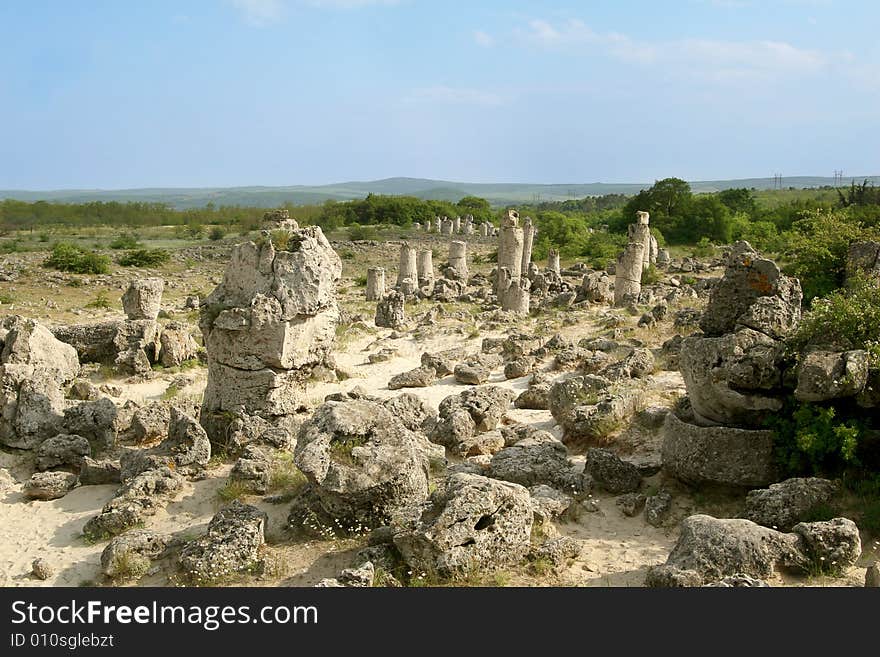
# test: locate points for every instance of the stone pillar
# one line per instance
(438, 223)
(456, 225)
(553, 261)
(446, 227)
(510, 247)
(458, 268)
(426, 269)
(528, 239)
(513, 293)
(631, 263)
(267, 327)
(408, 268)
(143, 298)
(375, 283)
(417, 226)
(663, 258)
(484, 229)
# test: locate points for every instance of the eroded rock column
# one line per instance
(375, 283)
(553, 261)
(426, 269)
(528, 239)
(510, 248)
(407, 272)
(631, 263)
(458, 268)
(267, 326)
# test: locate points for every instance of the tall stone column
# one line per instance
(631, 263)
(513, 294)
(553, 261)
(528, 239)
(408, 269)
(438, 223)
(266, 327)
(510, 247)
(447, 226)
(456, 225)
(375, 283)
(458, 268)
(426, 269)
(484, 229)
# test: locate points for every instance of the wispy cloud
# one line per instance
(260, 12)
(704, 57)
(455, 96)
(483, 39)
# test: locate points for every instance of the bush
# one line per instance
(815, 440)
(217, 233)
(145, 258)
(100, 301)
(357, 232)
(125, 241)
(845, 319)
(74, 259)
(817, 248)
(650, 276)
(703, 249)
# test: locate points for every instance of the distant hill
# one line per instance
(495, 193)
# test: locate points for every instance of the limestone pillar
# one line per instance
(553, 261)
(375, 283)
(426, 268)
(528, 239)
(458, 268)
(631, 263)
(408, 268)
(510, 247)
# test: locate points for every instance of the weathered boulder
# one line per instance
(783, 505)
(143, 298)
(415, 414)
(229, 547)
(63, 450)
(657, 508)
(443, 362)
(469, 413)
(390, 310)
(709, 549)
(638, 364)
(363, 465)
(49, 485)
(130, 554)
(825, 375)
(735, 379)
(100, 422)
(748, 280)
(719, 455)
(611, 472)
(473, 524)
(176, 344)
(420, 377)
(536, 396)
(591, 407)
(538, 459)
(34, 366)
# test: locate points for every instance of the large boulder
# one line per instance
(709, 549)
(753, 293)
(717, 455)
(390, 312)
(363, 465)
(611, 472)
(783, 505)
(130, 554)
(229, 547)
(591, 406)
(826, 375)
(473, 524)
(63, 450)
(735, 379)
(472, 412)
(34, 366)
(49, 485)
(176, 344)
(538, 459)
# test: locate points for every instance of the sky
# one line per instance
(208, 93)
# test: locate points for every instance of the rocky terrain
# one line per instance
(290, 411)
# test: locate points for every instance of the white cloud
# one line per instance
(260, 12)
(455, 96)
(483, 39)
(710, 58)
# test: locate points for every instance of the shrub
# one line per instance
(125, 241)
(100, 301)
(358, 232)
(814, 440)
(650, 276)
(145, 258)
(703, 249)
(72, 258)
(845, 319)
(217, 233)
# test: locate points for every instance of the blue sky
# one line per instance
(106, 94)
